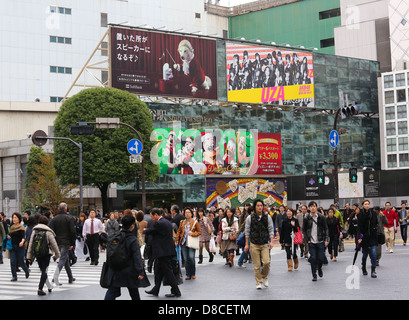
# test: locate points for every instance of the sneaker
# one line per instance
(241, 266)
(258, 286)
(314, 277)
(265, 282)
(391, 251)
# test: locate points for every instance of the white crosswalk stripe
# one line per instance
(84, 274)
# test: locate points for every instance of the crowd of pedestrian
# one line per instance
(165, 242)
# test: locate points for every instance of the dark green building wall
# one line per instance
(297, 23)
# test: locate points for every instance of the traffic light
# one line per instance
(136, 184)
(351, 109)
(353, 175)
(320, 176)
(82, 129)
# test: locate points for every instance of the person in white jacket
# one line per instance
(43, 261)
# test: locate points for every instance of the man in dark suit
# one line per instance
(176, 216)
(163, 249)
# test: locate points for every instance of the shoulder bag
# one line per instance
(193, 242)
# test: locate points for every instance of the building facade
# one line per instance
(307, 23)
(394, 120)
(60, 44)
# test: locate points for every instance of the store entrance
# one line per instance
(163, 199)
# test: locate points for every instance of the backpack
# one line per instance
(117, 256)
(40, 244)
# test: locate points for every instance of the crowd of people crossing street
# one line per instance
(171, 245)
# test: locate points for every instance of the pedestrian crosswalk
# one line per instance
(84, 274)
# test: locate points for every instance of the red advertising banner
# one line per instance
(269, 153)
(156, 63)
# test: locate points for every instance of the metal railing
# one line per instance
(244, 8)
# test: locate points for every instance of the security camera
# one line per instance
(28, 135)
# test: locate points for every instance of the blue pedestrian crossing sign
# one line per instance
(333, 138)
(134, 146)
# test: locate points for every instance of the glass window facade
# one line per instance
(304, 131)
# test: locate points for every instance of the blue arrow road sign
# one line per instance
(333, 138)
(134, 146)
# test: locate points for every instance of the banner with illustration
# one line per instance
(224, 192)
(268, 75)
(192, 151)
(162, 64)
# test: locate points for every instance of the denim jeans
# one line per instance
(189, 260)
(17, 260)
(372, 254)
(244, 255)
(317, 256)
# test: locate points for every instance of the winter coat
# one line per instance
(368, 227)
(52, 243)
(287, 228)
(128, 276)
(228, 229)
(64, 227)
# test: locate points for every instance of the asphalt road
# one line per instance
(216, 282)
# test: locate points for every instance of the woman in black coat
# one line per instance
(368, 228)
(289, 224)
(132, 276)
(334, 229)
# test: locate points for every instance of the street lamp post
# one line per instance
(39, 138)
(114, 123)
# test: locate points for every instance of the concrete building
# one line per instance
(45, 44)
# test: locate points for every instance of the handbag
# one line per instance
(241, 240)
(381, 238)
(193, 242)
(233, 235)
(103, 280)
(298, 237)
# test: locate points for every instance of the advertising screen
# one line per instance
(268, 75)
(162, 64)
(224, 192)
(191, 151)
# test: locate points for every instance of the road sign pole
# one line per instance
(115, 123)
(335, 172)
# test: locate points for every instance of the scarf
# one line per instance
(15, 227)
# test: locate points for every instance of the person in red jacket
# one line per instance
(389, 228)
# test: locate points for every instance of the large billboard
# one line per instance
(192, 151)
(267, 75)
(163, 64)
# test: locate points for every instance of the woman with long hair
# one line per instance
(230, 227)
(188, 227)
(207, 232)
(290, 225)
(17, 235)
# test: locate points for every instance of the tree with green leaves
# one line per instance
(105, 155)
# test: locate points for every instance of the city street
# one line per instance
(216, 282)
